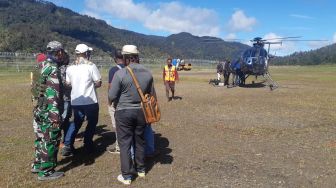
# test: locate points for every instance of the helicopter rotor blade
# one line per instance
(283, 38)
(312, 40)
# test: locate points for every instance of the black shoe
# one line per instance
(66, 151)
(51, 175)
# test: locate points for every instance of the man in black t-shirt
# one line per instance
(118, 58)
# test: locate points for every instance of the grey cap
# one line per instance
(54, 46)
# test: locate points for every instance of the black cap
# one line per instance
(117, 54)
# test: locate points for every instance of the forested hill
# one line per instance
(28, 25)
(325, 55)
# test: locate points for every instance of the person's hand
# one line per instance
(98, 84)
(55, 125)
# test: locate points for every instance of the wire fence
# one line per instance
(23, 62)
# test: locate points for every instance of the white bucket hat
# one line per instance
(82, 48)
(129, 49)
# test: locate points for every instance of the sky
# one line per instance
(226, 19)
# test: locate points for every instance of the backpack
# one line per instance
(38, 86)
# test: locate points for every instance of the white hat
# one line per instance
(82, 48)
(129, 49)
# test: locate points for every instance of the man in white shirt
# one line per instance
(84, 78)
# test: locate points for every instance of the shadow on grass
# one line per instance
(164, 157)
(177, 98)
(254, 85)
(174, 98)
(106, 139)
(81, 157)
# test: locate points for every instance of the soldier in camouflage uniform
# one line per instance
(48, 104)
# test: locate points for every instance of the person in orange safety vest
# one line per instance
(170, 76)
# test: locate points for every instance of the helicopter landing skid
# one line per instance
(271, 83)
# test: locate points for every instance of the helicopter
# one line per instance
(255, 60)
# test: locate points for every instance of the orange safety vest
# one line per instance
(170, 73)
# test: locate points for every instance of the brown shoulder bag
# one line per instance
(149, 103)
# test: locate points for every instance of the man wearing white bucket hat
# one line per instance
(129, 116)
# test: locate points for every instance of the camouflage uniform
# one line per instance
(47, 95)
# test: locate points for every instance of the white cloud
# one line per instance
(317, 44)
(230, 36)
(92, 14)
(125, 9)
(175, 17)
(240, 22)
(301, 16)
(171, 17)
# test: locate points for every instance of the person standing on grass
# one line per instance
(67, 113)
(149, 134)
(84, 78)
(118, 58)
(170, 76)
(47, 95)
(130, 119)
(219, 69)
(226, 72)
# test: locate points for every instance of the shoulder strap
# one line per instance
(136, 84)
(119, 67)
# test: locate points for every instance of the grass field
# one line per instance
(213, 137)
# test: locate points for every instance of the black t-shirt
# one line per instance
(112, 71)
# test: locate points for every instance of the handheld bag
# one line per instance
(149, 104)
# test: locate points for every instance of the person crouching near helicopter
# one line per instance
(219, 69)
(170, 76)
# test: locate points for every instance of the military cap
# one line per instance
(54, 46)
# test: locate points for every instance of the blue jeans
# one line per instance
(66, 118)
(91, 113)
(149, 140)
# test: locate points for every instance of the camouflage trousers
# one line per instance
(46, 146)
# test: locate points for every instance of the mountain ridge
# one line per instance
(27, 26)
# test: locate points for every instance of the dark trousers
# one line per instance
(130, 130)
(170, 85)
(226, 78)
(91, 112)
